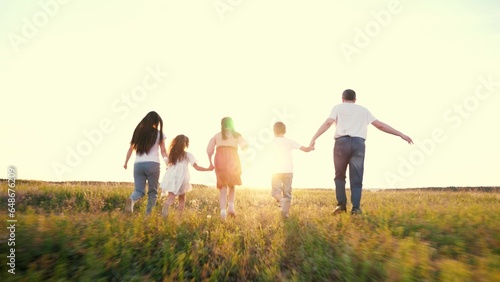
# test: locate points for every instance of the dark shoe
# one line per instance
(339, 209)
(356, 211)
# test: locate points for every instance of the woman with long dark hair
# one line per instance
(148, 139)
(227, 163)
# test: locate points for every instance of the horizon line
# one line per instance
(89, 182)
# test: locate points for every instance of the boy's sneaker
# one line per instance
(339, 209)
(284, 215)
(129, 205)
(356, 211)
(285, 207)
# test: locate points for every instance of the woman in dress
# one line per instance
(227, 163)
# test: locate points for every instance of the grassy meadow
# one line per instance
(79, 232)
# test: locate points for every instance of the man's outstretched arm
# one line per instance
(388, 129)
(324, 127)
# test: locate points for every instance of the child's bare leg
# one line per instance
(231, 195)
(182, 201)
(168, 203)
(223, 201)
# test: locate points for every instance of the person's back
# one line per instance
(153, 155)
(227, 163)
(351, 120)
(349, 150)
(147, 141)
(282, 176)
(230, 141)
(282, 148)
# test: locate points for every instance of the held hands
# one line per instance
(201, 168)
(311, 145)
(308, 149)
(210, 168)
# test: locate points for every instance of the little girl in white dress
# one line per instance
(176, 179)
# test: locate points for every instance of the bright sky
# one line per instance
(77, 76)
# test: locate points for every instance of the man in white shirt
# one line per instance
(349, 150)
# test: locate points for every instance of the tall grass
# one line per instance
(79, 232)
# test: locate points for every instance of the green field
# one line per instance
(79, 232)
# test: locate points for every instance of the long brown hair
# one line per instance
(227, 126)
(177, 149)
(146, 133)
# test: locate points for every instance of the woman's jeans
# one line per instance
(349, 151)
(150, 172)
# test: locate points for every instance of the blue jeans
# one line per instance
(150, 172)
(349, 151)
(282, 186)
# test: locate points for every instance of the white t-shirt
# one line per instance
(154, 153)
(281, 149)
(351, 120)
